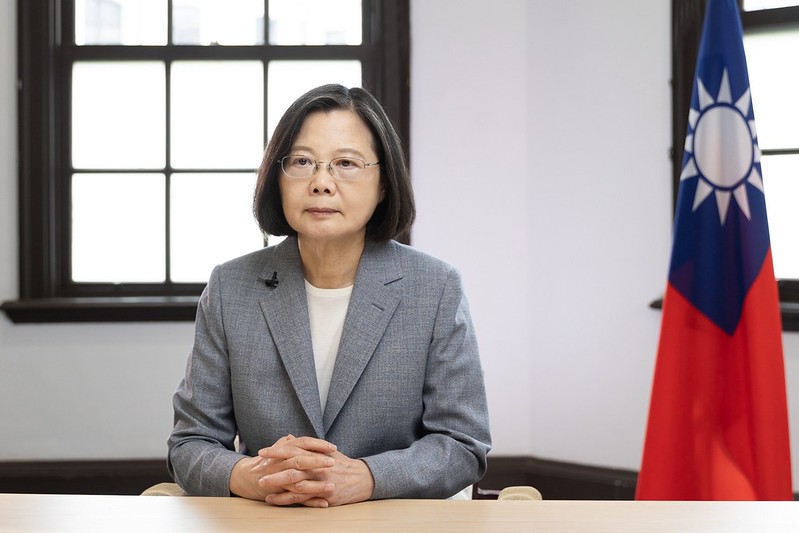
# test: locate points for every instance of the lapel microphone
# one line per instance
(272, 282)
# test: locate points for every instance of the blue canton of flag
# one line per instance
(721, 232)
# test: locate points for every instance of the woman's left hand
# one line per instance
(346, 481)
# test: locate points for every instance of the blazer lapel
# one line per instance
(285, 309)
(372, 304)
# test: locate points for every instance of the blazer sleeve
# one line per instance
(451, 454)
(201, 447)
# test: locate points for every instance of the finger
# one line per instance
(291, 498)
(294, 480)
(316, 502)
(284, 480)
(321, 489)
(310, 462)
(280, 441)
(297, 462)
(287, 451)
(287, 438)
(288, 498)
(309, 488)
(302, 492)
(308, 444)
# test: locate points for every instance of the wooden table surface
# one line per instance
(150, 514)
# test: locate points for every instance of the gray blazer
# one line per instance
(406, 396)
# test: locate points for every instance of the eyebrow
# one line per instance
(339, 152)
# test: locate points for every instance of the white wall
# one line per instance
(541, 170)
(539, 156)
(74, 391)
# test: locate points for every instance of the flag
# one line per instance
(718, 419)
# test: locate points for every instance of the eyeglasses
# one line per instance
(343, 168)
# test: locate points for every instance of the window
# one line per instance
(142, 123)
(771, 41)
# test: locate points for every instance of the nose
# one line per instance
(322, 181)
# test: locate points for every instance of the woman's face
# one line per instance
(322, 206)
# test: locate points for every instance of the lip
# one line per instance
(321, 211)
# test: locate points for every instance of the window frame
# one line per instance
(45, 47)
(687, 20)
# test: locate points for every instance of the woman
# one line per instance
(345, 362)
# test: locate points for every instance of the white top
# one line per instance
(327, 309)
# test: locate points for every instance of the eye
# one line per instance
(343, 163)
(300, 161)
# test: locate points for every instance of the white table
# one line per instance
(150, 514)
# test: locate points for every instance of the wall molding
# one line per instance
(556, 480)
(82, 477)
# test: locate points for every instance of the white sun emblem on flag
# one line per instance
(723, 149)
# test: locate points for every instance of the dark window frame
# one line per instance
(687, 20)
(44, 47)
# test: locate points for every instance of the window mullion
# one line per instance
(168, 169)
(169, 23)
(265, 44)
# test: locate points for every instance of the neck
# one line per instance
(330, 265)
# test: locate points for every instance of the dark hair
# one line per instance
(393, 215)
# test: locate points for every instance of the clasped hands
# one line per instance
(302, 470)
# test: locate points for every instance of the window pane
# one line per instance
(217, 118)
(781, 183)
(211, 22)
(118, 228)
(212, 221)
(754, 5)
(315, 22)
(290, 79)
(118, 115)
(128, 22)
(774, 87)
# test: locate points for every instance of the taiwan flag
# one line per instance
(718, 420)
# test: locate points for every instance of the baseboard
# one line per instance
(82, 477)
(556, 480)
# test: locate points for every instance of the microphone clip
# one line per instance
(272, 282)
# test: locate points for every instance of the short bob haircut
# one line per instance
(394, 214)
